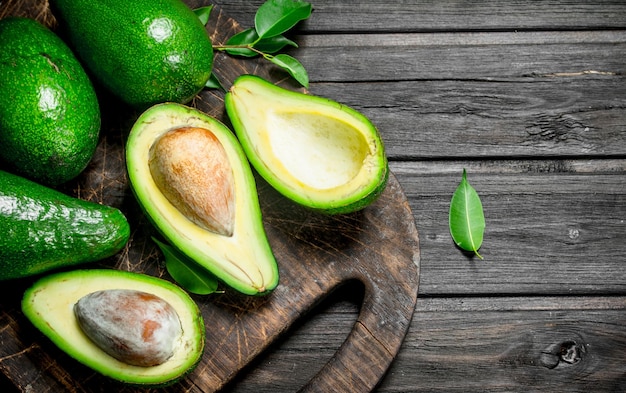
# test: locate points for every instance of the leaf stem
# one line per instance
(242, 46)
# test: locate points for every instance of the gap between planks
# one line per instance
(510, 166)
(519, 303)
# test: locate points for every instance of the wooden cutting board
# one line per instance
(377, 247)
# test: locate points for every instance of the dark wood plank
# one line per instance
(514, 344)
(463, 56)
(455, 15)
(537, 117)
(553, 228)
(470, 344)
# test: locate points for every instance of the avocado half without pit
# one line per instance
(313, 150)
(134, 328)
(194, 183)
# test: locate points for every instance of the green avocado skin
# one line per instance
(143, 51)
(44, 229)
(49, 112)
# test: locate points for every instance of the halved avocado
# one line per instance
(49, 305)
(194, 182)
(313, 150)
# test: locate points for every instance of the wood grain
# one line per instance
(471, 56)
(470, 344)
(539, 239)
(537, 117)
(372, 16)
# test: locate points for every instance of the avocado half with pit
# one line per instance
(50, 304)
(313, 150)
(193, 181)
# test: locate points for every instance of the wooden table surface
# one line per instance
(529, 98)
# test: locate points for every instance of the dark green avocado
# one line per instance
(144, 51)
(49, 113)
(43, 229)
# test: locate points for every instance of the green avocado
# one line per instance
(44, 229)
(315, 151)
(195, 184)
(49, 113)
(51, 305)
(145, 51)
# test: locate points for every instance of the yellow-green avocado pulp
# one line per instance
(317, 152)
(49, 305)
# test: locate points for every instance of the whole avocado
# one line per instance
(44, 229)
(144, 52)
(49, 113)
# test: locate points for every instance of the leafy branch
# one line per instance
(272, 20)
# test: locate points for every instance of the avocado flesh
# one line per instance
(313, 150)
(244, 259)
(49, 305)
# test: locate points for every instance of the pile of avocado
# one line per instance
(192, 176)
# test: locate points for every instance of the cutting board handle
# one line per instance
(363, 359)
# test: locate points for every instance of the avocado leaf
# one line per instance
(214, 83)
(186, 272)
(466, 217)
(203, 13)
(292, 66)
(241, 44)
(275, 17)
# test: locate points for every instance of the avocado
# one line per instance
(49, 113)
(315, 151)
(44, 229)
(144, 52)
(51, 305)
(193, 181)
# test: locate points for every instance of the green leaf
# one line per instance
(292, 66)
(274, 44)
(214, 83)
(240, 44)
(203, 13)
(242, 39)
(466, 217)
(274, 17)
(187, 273)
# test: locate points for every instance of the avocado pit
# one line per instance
(135, 327)
(190, 167)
